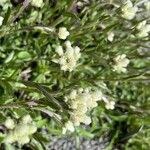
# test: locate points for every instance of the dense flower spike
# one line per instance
(68, 59)
(63, 33)
(121, 62)
(128, 10)
(21, 132)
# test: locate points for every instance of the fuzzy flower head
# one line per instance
(121, 62)
(63, 33)
(81, 101)
(68, 58)
(143, 29)
(128, 10)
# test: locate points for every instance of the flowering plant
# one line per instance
(78, 68)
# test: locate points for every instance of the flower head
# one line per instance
(68, 59)
(121, 62)
(128, 10)
(63, 33)
(110, 105)
(81, 101)
(21, 132)
(143, 29)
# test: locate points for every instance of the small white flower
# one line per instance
(110, 105)
(68, 126)
(1, 20)
(37, 3)
(143, 29)
(87, 120)
(121, 62)
(110, 36)
(128, 10)
(147, 5)
(26, 119)
(68, 58)
(9, 123)
(63, 33)
(59, 50)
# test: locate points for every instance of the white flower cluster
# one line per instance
(121, 62)
(20, 132)
(143, 29)
(128, 10)
(68, 58)
(81, 101)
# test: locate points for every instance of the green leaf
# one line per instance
(42, 89)
(24, 55)
(10, 57)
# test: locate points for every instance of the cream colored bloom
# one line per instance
(121, 62)
(82, 101)
(1, 20)
(128, 10)
(143, 29)
(9, 123)
(37, 3)
(63, 33)
(68, 59)
(22, 131)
